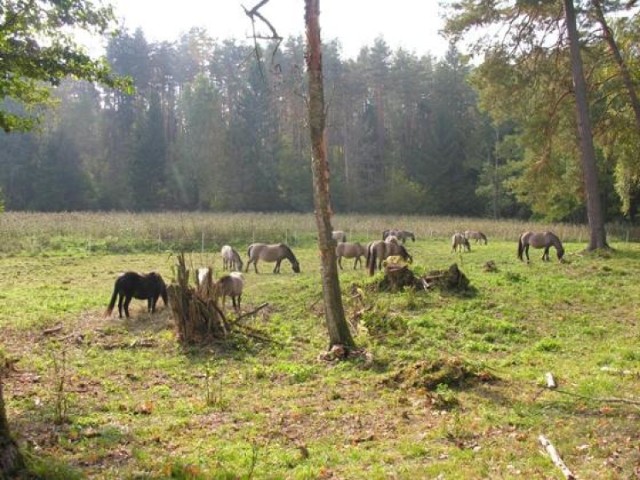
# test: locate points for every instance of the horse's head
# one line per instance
(292, 258)
(295, 265)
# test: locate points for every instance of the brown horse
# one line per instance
(271, 253)
(378, 250)
(350, 250)
(459, 243)
(130, 285)
(402, 235)
(477, 236)
(544, 240)
(230, 285)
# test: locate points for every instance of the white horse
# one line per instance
(230, 259)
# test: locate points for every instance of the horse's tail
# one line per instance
(520, 247)
(163, 292)
(112, 303)
(371, 260)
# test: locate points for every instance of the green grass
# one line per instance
(246, 408)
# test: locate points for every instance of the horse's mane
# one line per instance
(289, 252)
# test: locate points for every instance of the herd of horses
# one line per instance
(151, 287)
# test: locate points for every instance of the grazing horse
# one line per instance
(230, 259)
(460, 243)
(339, 236)
(402, 235)
(130, 285)
(378, 250)
(350, 250)
(230, 285)
(477, 236)
(539, 240)
(205, 282)
(271, 253)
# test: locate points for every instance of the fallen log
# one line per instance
(555, 457)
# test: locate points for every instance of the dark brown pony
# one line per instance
(544, 240)
(130, 285)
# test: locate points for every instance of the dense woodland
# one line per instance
(213, 126)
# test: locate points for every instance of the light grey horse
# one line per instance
(544, 240)
(230, 259)
(460, 243)
(475, 235)
(339, 236)
(350, 250)
(271, 253)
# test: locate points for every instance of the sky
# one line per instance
(410, 24)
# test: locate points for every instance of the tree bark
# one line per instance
(598, 237)
(11, 461)
(337, 326)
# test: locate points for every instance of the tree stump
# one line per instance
(398, 276)
(11, 460)
(197, 316)
(451, 279)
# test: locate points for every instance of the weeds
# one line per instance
(60, 394)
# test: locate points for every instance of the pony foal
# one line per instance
(230, 285)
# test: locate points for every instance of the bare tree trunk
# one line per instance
(622, 66)
(11, 460)
(598, 237)
(339, 333)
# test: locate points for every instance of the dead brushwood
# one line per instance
(196, 314)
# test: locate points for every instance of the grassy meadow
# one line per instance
(452, 386)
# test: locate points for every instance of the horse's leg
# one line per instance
(355, 262)
(340, 261)
(276, 269)
(545, 255)
(127, 301)
(526, 252)
(120, 300)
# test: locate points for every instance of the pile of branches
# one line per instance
(196, 313)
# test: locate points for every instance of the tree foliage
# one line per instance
(525, 80)
(37, 48)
